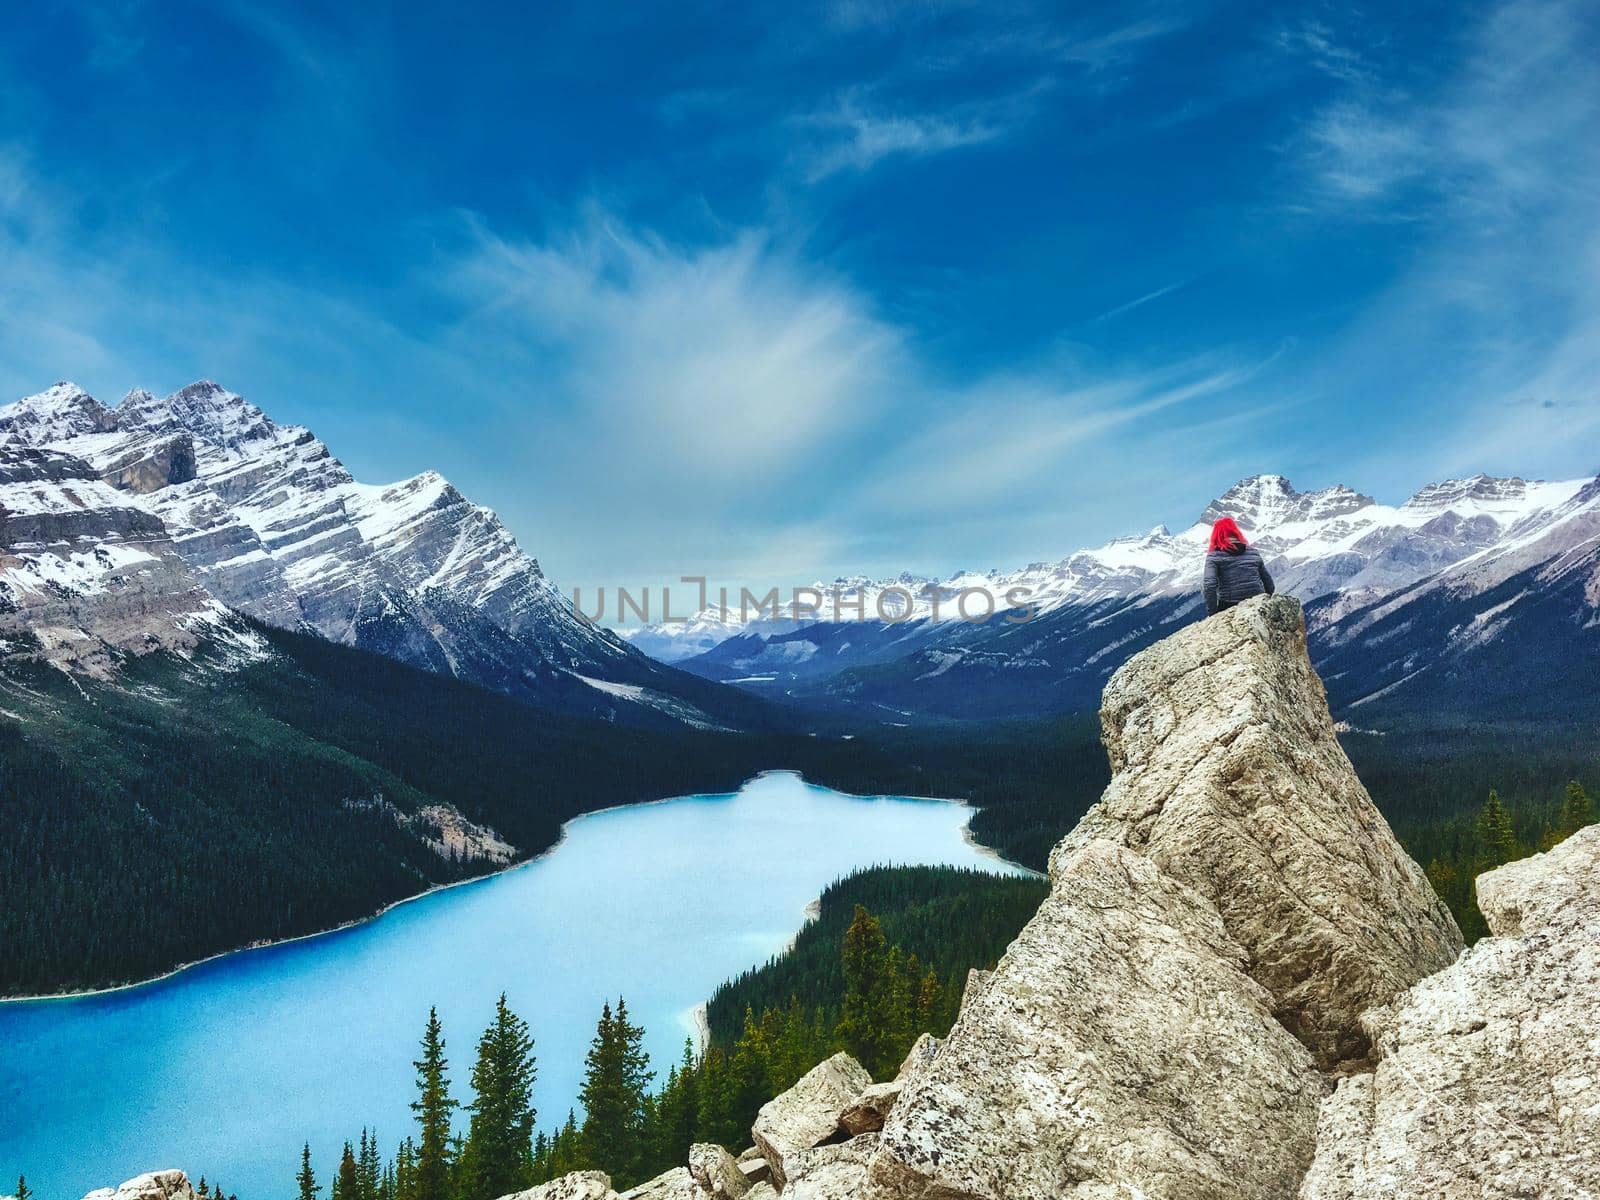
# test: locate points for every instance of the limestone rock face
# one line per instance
(808, 1113)
(580, 1185)
(1487, 1083)
(86, 577)
(1227, 774)
(156, 1185)
(1120, 1045)
(716, 1173)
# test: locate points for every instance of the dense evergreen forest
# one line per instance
(855, 980)
(947, 920)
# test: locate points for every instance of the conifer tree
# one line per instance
(747, 1071)
(347, 1183)
(24, 1192)
(616, 1076)
(864, 1021)
(499, 1151)
(405, 1171)
(369, 1165)
(305, 1181)
(433, 1107)
(1496, 837)
(930, 1003)
(1576, 810)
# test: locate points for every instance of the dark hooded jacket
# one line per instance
(1234, 574)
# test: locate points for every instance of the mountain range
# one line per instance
(154, 523)
(1472, 593)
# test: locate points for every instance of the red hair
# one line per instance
(1225, 535)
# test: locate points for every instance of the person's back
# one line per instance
(1234, 570)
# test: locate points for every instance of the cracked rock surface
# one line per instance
(1488, 1076)
(1227, 773)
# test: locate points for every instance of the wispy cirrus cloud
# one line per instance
(853, 136)
(1494, 171)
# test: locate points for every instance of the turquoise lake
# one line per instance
(227, 1067)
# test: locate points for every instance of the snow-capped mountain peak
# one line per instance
(1263, 501)
(206, 410)
(61, 411)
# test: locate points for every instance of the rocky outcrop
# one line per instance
(808, 1114)
(871, 1109)
(1487, 1083)
(1215, 926)
(1092, 1059)
(834, 1172)
(1227, 774)
(151, 466)
(156, 1185)
(754, 1167)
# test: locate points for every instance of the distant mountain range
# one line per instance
(158, 523)
(1472, 594)
(147, 525)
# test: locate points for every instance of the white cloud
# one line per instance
(717, 364)
(1006, 438)
(859, 140)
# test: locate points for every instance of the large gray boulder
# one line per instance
(153, 1185)
(1487, 1083)
(580, 1185)
(1227, 774)
(808, 1113)
(717, 1172)
(920, 1055)
(1121, 1048)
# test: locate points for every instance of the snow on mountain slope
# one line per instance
(1316, 542)
(86, 577)
(1513, 629)
(272, 524)
(1336, 548)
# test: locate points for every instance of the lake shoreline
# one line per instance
(438, 888)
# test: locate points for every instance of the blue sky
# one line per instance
(778, 292)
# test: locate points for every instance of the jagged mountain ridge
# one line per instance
(1337, 549)
(273, 525)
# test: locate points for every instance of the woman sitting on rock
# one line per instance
(1234, 571)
